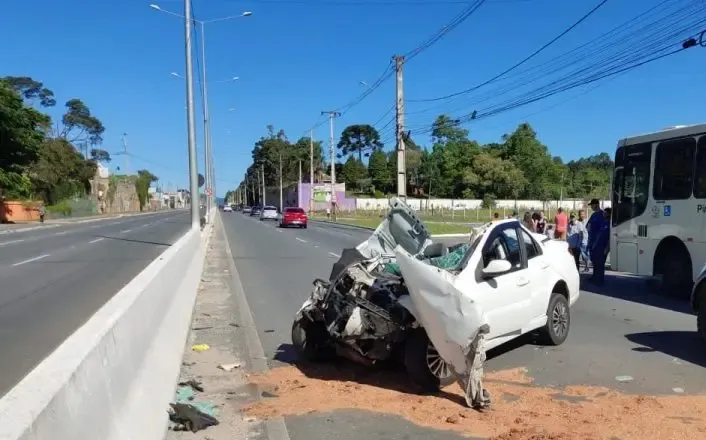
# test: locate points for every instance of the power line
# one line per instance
(516, 65)
(618, 37)
(454, 23)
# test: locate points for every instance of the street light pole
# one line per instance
(206, 125)
(190, 121)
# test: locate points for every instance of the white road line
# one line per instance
(301, 239)
(30, 260)
(125, 231)
(62, 233)
(11, 241)
(95, 241)
(334, 255)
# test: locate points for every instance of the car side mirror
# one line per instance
(496, 268)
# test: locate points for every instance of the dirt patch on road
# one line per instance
(521, 410)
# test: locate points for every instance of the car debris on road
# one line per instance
(399, 295)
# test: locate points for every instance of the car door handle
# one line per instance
(522, 282)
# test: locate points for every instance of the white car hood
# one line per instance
(401, 226)
(450, 318)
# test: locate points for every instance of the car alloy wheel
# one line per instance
(560, 319)
(437, 366)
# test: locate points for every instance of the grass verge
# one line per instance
(434, 228)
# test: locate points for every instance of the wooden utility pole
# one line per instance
(331, 116)
(399, 110)
(264, 196)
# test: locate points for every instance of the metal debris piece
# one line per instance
(624, 378)
(189, 418)
(229, 367)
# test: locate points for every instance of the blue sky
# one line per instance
(298, 57)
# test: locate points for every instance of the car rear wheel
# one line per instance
(424, 365)
(556, 330)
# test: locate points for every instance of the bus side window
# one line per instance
(700, 170)
(674, 172)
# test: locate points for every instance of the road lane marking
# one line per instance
(30, 260)
(95, 241)
(125, 231)
(334, 255)
(301, 239)
(62, 233)
(11, 241)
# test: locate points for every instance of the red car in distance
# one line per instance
(293, 217)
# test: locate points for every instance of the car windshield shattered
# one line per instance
(377, 306)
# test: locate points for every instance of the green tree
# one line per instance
(491, 177)
(359, 139)
(60, 172)
(142, 186)
(378, 171)
(98, 155)
(31, 90)
(532, 157)
(353, 172)
(80, 125)
(21, 136)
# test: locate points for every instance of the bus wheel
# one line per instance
(673, 263)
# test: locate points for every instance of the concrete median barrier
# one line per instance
(114, 377)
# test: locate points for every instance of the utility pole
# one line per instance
(264, 196)
(311, 171)
(331, 116)
(401, 153)
(300, 171)
(281, 202)
(245, 190)
(127, 158)
(193, 166)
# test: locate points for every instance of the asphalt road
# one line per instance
(52, 280)
(621, 337)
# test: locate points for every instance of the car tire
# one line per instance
(304, 226)
(418, 352)
(309, 340)
(556, 330)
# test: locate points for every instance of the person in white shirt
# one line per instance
(575, 238)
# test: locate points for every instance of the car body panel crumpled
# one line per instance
(451, 319)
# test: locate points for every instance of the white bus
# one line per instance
(658, 225)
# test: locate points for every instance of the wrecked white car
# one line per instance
(438, 309)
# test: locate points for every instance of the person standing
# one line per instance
(575, 237)
(541, 223)
(597, 241)
(42, 212)
(561, 222)
(529, 222)
(584, 243)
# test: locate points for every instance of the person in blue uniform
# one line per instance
(597, 228)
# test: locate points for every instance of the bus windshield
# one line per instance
(631, 182)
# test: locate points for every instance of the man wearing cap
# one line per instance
(597, 241)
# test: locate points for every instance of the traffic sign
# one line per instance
(208, 192)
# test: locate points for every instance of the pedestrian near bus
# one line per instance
(561, 222)
(528, 221)
(541, 223)
(597, 241)
(575, 237)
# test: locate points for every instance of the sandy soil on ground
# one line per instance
(520, 410)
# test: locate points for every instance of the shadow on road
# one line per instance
(634, 289)
(383, 375)
(133, 240)
(684, 345)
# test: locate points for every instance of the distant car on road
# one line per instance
(246, 209)
(255, 211)
(269, 213)
(293, 217)
(227, 208)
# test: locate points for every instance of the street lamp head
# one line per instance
(235, 78)
(246, 14)
(363, 83)
(153, 6)
(176, 75)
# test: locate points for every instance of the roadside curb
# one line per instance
(56, 223)
(458, 235)
(274, 428)
(31, 228)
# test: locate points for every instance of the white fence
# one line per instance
(475, 204)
